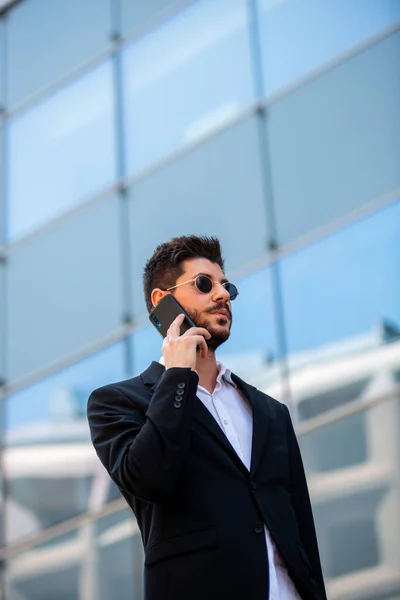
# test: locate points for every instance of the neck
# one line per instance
(207, 371)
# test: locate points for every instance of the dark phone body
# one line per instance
(165, 312)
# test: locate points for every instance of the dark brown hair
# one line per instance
(165, 266)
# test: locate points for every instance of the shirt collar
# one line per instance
(223, 372)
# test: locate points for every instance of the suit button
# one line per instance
(178, 398)
(258, 527)
(181, 385)
(177, 404)
(253, 485)
(180, 392)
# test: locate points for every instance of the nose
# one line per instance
(221, 294)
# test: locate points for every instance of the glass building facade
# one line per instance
(273, 124)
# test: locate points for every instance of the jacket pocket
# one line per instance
(189, 542)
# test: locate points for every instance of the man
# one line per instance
(209, 464)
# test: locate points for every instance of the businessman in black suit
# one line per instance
(209, 465)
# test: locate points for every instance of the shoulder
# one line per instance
(125, 391)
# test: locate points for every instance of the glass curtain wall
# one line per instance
(273, 125)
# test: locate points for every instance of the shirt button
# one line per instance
(258, 527)
(225, 422)
(177, 405)
(181, 385)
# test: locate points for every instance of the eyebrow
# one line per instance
(223, 280)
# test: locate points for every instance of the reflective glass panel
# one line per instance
(353, 468)
(2, 186)
(2, 61)
(55, 37)
(94, 561)
(215, 189)
(252, 349)
(335, 142)
(136, 14)
(48, 571)
(64, 288)
(2, 320)
(61, 151)
(342, 313)
(120, 557)
(50, 465)
(298, 36)
(187, 77)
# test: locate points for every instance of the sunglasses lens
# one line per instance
(232, 290)
(204, 284)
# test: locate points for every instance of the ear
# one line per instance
(157, 295)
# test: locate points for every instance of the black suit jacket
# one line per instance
(199, 510)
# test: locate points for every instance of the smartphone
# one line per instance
(165, 312)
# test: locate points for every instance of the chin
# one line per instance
(219, 335)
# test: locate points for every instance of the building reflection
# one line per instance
(345, 401)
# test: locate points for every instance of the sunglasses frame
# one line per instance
(212, 284)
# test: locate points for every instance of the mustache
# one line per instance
(219, 307)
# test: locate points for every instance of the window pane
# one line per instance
(2, 320)
(64, 288)
(2, 62)
(94, 561)
(51, 570)
(339, 445)
(136, 14)
(252, 349)
(145, 347)
(345, 285)
(50, 465)
(187, 77)
(342, 314)
(55, 37)
(335, 142)
(356, 499)
(121, 558)
(214, 189)
(298, 36)
(2, 186)
(61, 151)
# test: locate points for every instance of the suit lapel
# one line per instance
(261, 416)
(261, 421)
(205, 418)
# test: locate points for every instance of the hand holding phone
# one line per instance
(182, 339)
(182, 350)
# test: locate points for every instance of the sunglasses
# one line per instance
(204, 285)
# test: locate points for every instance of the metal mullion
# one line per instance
(268, 189)
(122, 190)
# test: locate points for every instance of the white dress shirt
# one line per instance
(234, 415)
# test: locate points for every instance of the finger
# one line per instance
(200, 342)
(203, 349)
(197, 331)
(174, 330)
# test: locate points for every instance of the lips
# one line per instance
(222, 311)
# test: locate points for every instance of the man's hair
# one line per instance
(165, 266)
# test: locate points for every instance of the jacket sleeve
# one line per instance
(144, 453)
(302, 506)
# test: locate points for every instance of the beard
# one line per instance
(218, 335)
